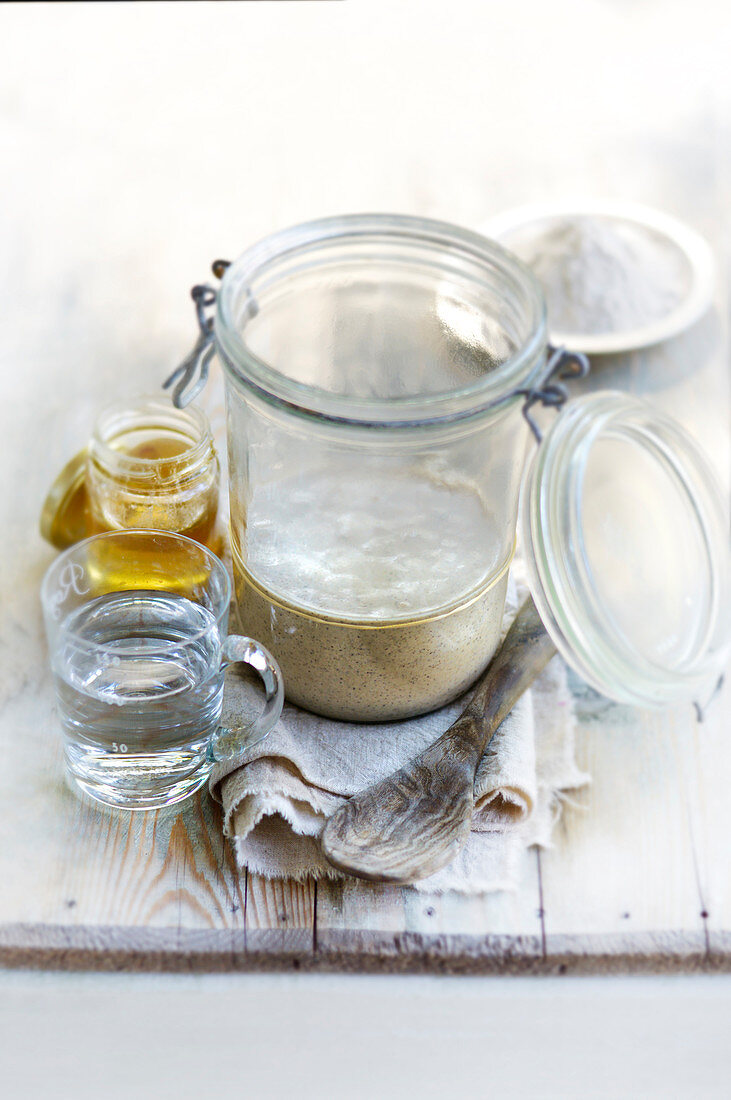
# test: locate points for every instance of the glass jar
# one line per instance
(376, 447)
(147, 465)
(150, 465)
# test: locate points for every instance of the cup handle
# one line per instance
(227, 743)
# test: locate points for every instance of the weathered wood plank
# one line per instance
(502, 913)
(216, 950)
(709, 816)
(623, 860)
(162, 869)
(280, 916)
(362, 918)
(348, 906)
(67, 861)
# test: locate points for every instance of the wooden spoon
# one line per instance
(413, 822)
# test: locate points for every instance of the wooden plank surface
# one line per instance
(110, 211)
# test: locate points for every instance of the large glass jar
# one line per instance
(376, 447)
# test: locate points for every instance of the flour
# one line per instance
(603, 275)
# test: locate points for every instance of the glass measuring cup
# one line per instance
(136, 624)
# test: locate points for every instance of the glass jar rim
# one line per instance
(583, 627)
(480, 397)
(188, 462)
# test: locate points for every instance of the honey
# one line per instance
(154, 467)
(159, 448)
(146, 563)
(148, 465)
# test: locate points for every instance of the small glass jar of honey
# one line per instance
(147, 465)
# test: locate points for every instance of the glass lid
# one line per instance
(625, 535)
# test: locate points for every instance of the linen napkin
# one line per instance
(278, 795)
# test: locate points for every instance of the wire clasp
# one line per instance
(186, 386)
(562, 366)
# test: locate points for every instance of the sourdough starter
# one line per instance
(380, 592)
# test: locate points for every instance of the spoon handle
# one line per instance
(525, 652)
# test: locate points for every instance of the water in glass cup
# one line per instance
(138, 720)
(137, 633)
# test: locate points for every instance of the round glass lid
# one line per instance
(625, 534)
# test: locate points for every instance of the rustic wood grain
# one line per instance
(160, 869)
(589, 883)
(280, 916)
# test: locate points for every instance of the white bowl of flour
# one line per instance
(616, 276)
